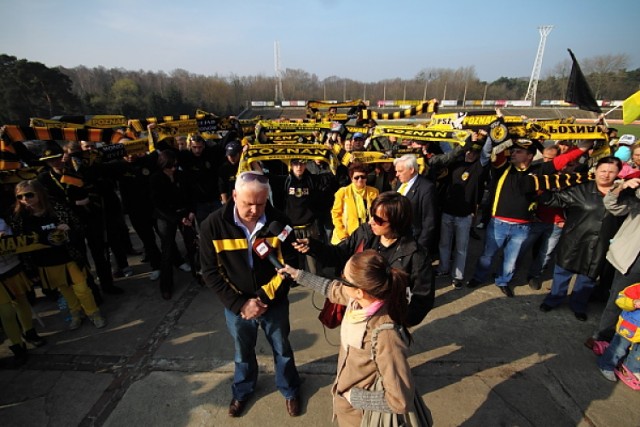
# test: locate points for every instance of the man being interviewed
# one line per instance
(248, 286)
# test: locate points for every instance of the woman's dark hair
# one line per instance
(372, 273)
(357, 167)
(397, 210)
(166, 159)
(36, 187)
(610, 159)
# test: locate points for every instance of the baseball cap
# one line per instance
(358, 135)
(52, 150)
(526, 144)
(627, 139)
(233, 148)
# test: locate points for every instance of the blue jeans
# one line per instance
(547, 235)
(617, 350)
(582, 289)
(450, 227)
(508, 236)
(275, 323)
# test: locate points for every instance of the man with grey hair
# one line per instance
(421, 193)
(247, 285)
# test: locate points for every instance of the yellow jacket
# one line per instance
(344, 213)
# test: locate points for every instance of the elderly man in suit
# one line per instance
(421, 192)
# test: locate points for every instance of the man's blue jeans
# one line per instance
(582, 289)
(548, 235)
(275, 323)
(617, 350)
(450, 227)
(501, 235)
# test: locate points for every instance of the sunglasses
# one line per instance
(251, 176)
(345, 282)
(25, 196)
(379, 221)
(360, 177)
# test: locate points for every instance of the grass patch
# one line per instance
(632, 129)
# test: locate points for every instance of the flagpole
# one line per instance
(602, 116)
(613, 109)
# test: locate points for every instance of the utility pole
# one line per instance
(537, 65)
(279, 97)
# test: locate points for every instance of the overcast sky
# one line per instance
(361, 40)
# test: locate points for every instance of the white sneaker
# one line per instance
(97, 320)
(76, 321)
(185, 267)
(609, 375)
(155, 275)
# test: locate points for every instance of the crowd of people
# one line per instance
(371, 237)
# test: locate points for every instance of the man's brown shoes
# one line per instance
(293, 406)
(236, 407)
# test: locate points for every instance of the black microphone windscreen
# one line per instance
(275, 228)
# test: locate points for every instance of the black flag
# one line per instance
(578, 91)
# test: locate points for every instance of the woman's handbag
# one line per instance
(331, 314)
(419, 416)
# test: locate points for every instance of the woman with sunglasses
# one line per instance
(54, 223)
(352, 203)
(15, 311)
(374, 295)
(389, 233)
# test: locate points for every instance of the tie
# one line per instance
(403, 188)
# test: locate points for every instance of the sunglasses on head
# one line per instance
(28, 195)
(360, 177)
(378, 220)
(252, 176)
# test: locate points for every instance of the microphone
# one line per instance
(264, 250)
(281, 231)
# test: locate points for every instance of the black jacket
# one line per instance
(588, 229)
(171, 199)
(423, 201)
(407, 256)
(225, 264)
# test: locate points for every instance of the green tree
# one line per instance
(30, 89)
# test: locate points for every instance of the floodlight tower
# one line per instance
(537, 65)
(276, 54)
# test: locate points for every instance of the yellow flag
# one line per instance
(631, 108)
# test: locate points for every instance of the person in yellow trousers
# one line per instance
(53, 223)
(15, 311)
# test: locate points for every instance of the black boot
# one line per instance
(32, 337)
(19, 355)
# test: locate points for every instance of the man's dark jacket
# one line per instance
(225, 264)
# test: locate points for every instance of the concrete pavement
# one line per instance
(480, 359)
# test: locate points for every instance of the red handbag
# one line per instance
(331, 314)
